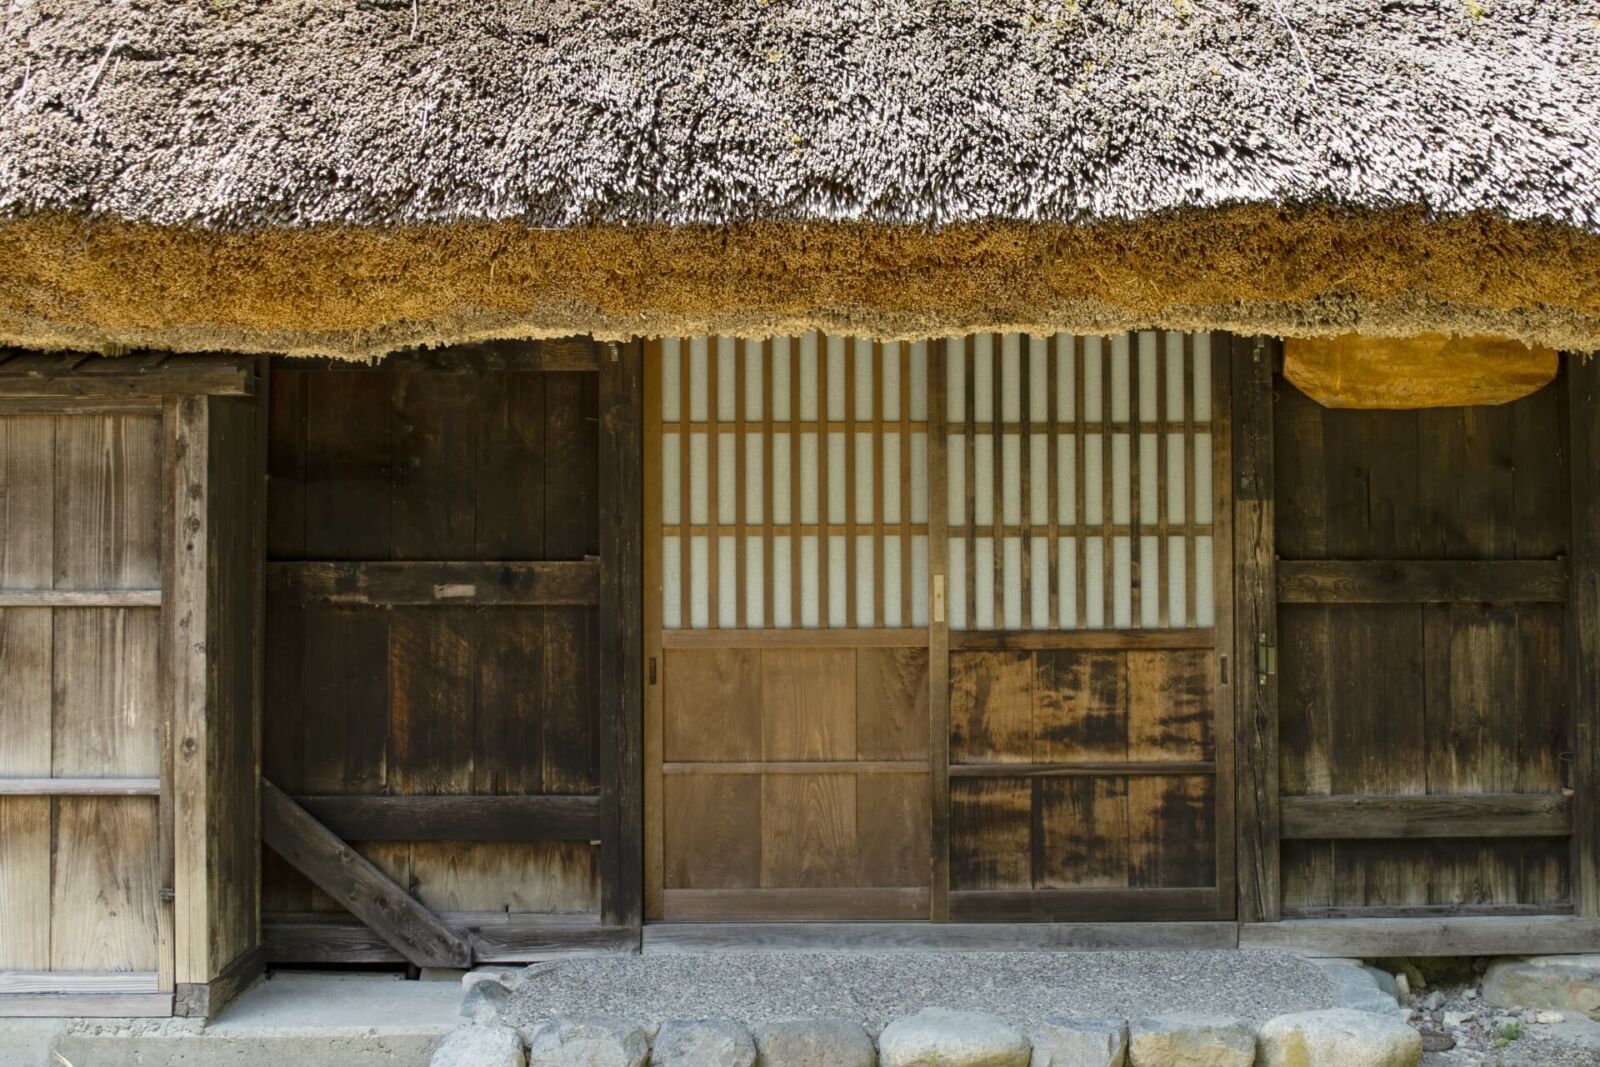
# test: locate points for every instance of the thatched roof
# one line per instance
(192, 122)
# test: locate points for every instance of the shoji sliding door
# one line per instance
(933, 629)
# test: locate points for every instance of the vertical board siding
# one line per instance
(1423, 699)
(400, 465)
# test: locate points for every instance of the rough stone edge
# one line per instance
(1356, 987)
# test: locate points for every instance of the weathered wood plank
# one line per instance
(1467, 936)
(458, 818)
(47, 375)
(386, 584)
(563, 354)
(1421, 581)
(203, 1000)
(80, 598)
(1255, 630)
(1408, 816)
(79, 787)
(1583, 625)
(963, 640)
(847, 903)
(675, 938)
(358, 885)
(86, 1005)
(1149, 904)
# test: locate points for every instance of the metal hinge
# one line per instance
(1266, 659)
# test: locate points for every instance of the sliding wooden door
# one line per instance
(931, 629)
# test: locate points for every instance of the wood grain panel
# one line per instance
(991, 707)
(104, 885)
(808, 830)
(711, 704)
(25, 826)
(892, 830)
(808, 704)
(430, 736)
(107, 719)
(1082, 832)
(712, 831)
(508, 733)
(108, 494)
(1171, 704)
(544, 877)
(891, 703)
(1171, 827)
(1080, 706)
(990, 833)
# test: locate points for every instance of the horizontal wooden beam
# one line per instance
(80, 787)
(1388, 816)
(458, 818)
(85, 1005)
(853, 903)
(795, 638)
(37, 374)
(696, 938)
(307, 938)
(357, 885)
(1080, 770)
(383, 584)
(564, 354)
(1421, 581)
(80, 598)
(1112, 640)
(1082, 905)
(801, 767)
(1420, 911)
(89, 405)
(79, 982)
(1468, 936)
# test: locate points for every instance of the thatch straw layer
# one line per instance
(361, 291)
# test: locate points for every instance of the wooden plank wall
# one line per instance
(418, 465)
(1424, 718)
(80, 714)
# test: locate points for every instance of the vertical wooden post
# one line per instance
(1256, 629)
(621, 680)
(1583, 626)
(939, 633)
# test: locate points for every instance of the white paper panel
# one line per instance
(1205, 607)
(727, 581)
(699, 482)
(919, 580)
(1039, 380)
(983, 588)
(1066, 382)
(1093, 481)
(983, 377)
(1148, 380)
(1038, 479)
(862, 368)
(699, 582)
(755, 500)
(956, 483)
(727, 479)
(671, 583)
(782, 583)
(1011, 591)
(866, 583)
(919, 381)
(919, 477)
(892, 484)
(671, 471)
(1122, 582)
(1175, 406)
(1149, 480)
(782, 479)
(891, 382)
(838, 495)
(838, 584)
(1094, 585)
(671, 384)
(893, 582)
(1066, 480)
(808, 378)
(755, 581)
(1149, 581)
(1039, 580)
(1121, 480)
(864, 477)
(727, 397)
(983, 480)
(1202, 478)
(781, 392)
(1093, 372)
(699, 394)
(836, 384)
(755, 370)
(1176, 512)
(1067, 583)
(1011, 378)
(1119, 378)
(808, 478)
(1202, 377)
(1011, 469)
(955, 383)
(956, 584)
(1177, 583)
(810, 583)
